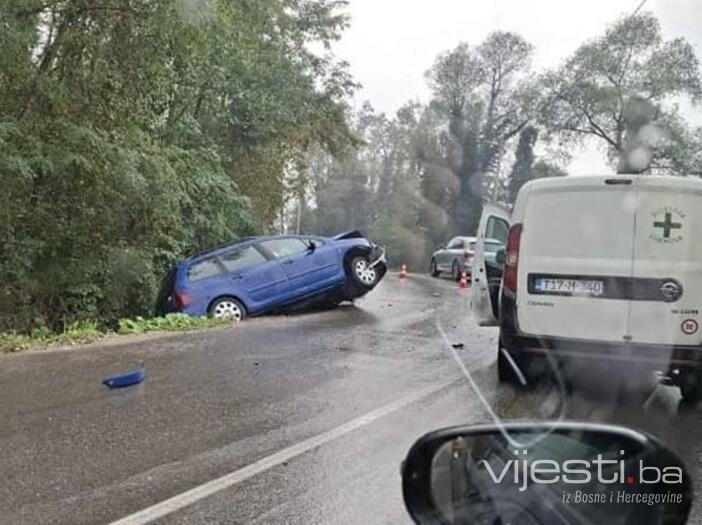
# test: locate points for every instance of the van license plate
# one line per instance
(570, 286)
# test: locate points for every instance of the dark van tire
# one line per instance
(227, 307)
(528, 366)
(691, 388)
(505, 371)
(362, 273)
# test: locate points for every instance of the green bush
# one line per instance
(171, 322)
(142, 134)
(89, 330)
(107, 220)
(76, 332)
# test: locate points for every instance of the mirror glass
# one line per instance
(562, 476)
(500, 256)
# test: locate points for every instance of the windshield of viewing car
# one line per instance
(151, 369)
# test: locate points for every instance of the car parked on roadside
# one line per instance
(259, 274)
(457, 255)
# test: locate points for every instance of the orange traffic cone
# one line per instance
(403, 271)
(463, 283)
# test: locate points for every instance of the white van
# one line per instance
(603, 267)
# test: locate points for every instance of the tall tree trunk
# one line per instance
(469, 204)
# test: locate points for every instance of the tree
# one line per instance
(342, 197)
(374, 187)
(543, 169)
(485, 97)
(523, 163)
(618, 89)
(134, 132)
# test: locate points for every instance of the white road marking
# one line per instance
(205, 490)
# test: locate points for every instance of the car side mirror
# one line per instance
(544, 473)
(441, 247)
(500, 256)
(311, 245)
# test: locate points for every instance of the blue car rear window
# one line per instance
(240, 259)
(231, 261)
(204, 269)
(285, 246)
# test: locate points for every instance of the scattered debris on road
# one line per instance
(133, 377)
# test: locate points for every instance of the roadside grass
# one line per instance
(87, 331)
(171, 322)
(78, 332)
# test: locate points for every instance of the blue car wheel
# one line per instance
(227, 307)
(362, 271)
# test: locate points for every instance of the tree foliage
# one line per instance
(133, 132)
(621, 89)
(486, 97)
(522, 171)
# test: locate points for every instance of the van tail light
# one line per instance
(468, 255)
(181, 299)
(509, 278)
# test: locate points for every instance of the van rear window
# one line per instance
(590, 223)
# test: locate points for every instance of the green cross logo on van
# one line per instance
(667, 225)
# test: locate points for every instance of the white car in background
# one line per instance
(457, 256)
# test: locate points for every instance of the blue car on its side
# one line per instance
(259, 274)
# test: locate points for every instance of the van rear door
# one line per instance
(576, 251)
(667, 263)
(486, 275)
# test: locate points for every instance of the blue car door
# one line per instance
(304, 270)
(259, 281)
(327, 262)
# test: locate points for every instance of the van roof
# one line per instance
(586, 181)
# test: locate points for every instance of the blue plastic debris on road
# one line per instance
(133, 377)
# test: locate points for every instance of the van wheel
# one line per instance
(505, 371)
(690, 388)
(530, 367)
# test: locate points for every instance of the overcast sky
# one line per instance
(391, 43)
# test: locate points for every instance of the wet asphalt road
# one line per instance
(366, 380)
